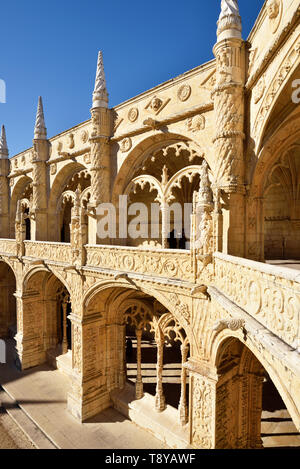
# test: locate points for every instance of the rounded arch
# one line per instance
(60, 181)
(278, 95)
(219, 341)
(48, 273)
(118, 287)
(16, 195)
(280, 141)
(149, 144)
(56, 190)
(8, 310)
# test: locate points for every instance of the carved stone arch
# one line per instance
(287, 71)
(54, 277)
(138, 153)
(142, 182)
(283, 138)
(188, 172)
(67, 196)
(17, 192)
(171, 329)
(49, 272)
(141, 315)
(271, 368)
(85, 196)
(166, 301)
(56, 190)
(11, 265)
(35, 270)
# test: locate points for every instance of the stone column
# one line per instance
(160, 402)
(203, 386)
(100, 150)
(65, 339)
(183, 409)
(229, 113)
(139, 393)
(4, 186)
(164, 224)
(29, 338)
(89, 394)
(41, 147)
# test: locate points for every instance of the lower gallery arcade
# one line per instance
(139, 356)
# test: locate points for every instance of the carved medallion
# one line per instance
(133, 114)
(196, 123)
(184, 92)
(274, 12)
(84, 136)
(156, 105)
(125, 144)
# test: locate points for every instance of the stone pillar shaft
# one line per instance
(160, 403)
(139, 379)
(183, 409)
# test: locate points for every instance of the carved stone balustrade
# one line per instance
(59, 252)
(270, 294)
(175, 264)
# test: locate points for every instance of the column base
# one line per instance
(88, 399)
(28, 354)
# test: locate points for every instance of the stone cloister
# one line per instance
(128, 317)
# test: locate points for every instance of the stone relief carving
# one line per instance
(259, 90)
(196, 123)
(125, 144)
(156, 105)
(84, 136)
(133, 114)
(53, 169)
(274, 12)
(71, 141)
(184, 92)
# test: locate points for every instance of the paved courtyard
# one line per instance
(42, 395)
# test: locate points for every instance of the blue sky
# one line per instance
(50, 49)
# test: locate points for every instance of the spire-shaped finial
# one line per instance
(40, 131)
(229, 24)
(100, 95)
(3, 144)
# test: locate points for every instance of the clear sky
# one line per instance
(50, 48)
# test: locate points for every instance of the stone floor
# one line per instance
(42, 395)
(11, 436)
